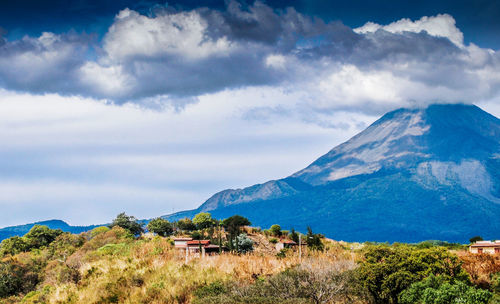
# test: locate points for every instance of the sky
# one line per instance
(150, 107)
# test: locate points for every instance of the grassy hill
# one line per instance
(113, 266)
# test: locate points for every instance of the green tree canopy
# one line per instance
(186, 224)
(233, 225)
(40, 236)
(388, 270)
(13, 245)
(294, 236)
(275, 230)
(314, 240)
(475, 239)
(160, 226)
(127, 222)
(203, 220)
(440, 290)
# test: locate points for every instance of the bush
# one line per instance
(98, 230)
(440, 290)
(243, 243)
(13, 245)
(16, 277)
(387, 271)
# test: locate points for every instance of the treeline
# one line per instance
(118, 264)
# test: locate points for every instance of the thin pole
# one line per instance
(300, 249)
(187, 253)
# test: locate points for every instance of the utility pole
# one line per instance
(300, 248)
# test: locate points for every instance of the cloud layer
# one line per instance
(177, 56)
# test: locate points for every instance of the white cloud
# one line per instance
(182, 34)
(442, 25)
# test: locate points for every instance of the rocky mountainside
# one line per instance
(414, 174)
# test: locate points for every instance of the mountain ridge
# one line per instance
(443, 153)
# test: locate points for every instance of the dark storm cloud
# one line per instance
(187, 53)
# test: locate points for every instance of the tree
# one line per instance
(203, 220)
(243, 243)
(388, 270)
(440, 290)
(475, 239)
(314, 240)
(160, 226)
(186, 224)
(294, 236)
(275, 230)
(40, 236)
(13, 245)
(233, 225)
(127, 222)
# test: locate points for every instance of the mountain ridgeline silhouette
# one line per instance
(413, 175)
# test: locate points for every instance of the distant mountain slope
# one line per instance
(412, 175)
(21, 230)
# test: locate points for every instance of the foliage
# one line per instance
(186, 224)
(40, 236)
(273, 240)
(233, 225)
(481, 268)
(243, 243)
(127, 222)
(294, 236)
(475, 239)
(203, 220)
(160, 226)
(275, 230)
(98, 230)
(324, 283)
(314, 240)
(16, 277)
(440, 290)
(13, 245)
(387, 271)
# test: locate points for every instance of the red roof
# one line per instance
(288, 242)
(486, 244)
(198, 242)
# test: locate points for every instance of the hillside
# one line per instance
(414, 174)
(20, 230)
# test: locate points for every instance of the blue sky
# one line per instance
(148, 108)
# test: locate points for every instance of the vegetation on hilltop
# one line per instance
(117, 264)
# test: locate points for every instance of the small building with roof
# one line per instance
(491, 247)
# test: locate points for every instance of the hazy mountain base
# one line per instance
(414, 174)
(376, 207)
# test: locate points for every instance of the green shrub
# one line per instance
(98, 230)
(440, 290)
(387, 271)
(273, 240)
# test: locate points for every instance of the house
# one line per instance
(282, 244)
(194, 246)
(181, 242)
(491, 247)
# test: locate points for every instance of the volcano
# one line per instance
(413, 175)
